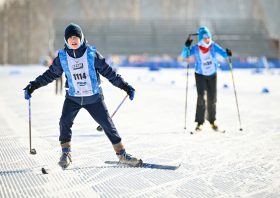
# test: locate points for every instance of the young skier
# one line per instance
(205, 75)
(82, 65)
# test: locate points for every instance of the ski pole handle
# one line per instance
(192, 35)
(99, 128)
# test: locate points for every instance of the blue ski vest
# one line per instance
(80, 72)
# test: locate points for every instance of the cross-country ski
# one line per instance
(196, 132)
(146, 165)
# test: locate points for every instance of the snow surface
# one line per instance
(235, 164)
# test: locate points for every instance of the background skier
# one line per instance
(59, 81)
(205, 75)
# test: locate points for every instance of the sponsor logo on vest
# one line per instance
(78, 66)
(86, 91)
(81, 83)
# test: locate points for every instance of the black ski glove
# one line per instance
(228, 52)
(128, 89)
(188, 42)
(29, 89)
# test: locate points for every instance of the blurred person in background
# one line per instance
(205, 75)
(59, 80)
(82, 65)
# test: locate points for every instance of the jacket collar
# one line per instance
(78, 52)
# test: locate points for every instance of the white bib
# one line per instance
(207, 63)
(78, 68)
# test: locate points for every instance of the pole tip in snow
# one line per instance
(240, 129)
(44, 171)
(33, 151)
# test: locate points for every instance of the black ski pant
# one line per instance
(99, 113)
(206, 98)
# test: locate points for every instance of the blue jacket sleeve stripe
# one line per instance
(64, 63)
(91, 68)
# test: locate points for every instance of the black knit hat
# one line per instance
(72, 30)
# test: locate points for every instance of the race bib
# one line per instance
(81, 74)
(207, 63)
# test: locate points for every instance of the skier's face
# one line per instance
(74, 42)
(206, 40)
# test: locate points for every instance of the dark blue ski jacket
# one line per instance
(101, 67)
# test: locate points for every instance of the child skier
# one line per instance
(82, 65)
(205, 75)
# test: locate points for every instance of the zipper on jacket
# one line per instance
(82, 100)
(74, 53)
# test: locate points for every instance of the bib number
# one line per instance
(207, 64)
(79, 76)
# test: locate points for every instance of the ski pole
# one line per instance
(235, 92)
(32, 151)
(99, 128)
(187, 80)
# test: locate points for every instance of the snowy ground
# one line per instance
(235, 164)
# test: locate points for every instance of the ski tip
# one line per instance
(44, 171)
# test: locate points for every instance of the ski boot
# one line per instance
(65, 158)
(214, 126)
(199, 127)
(126, 158)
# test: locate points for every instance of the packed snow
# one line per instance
(232, 164)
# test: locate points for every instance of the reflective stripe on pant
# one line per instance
(99, 113)
(206, 87)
